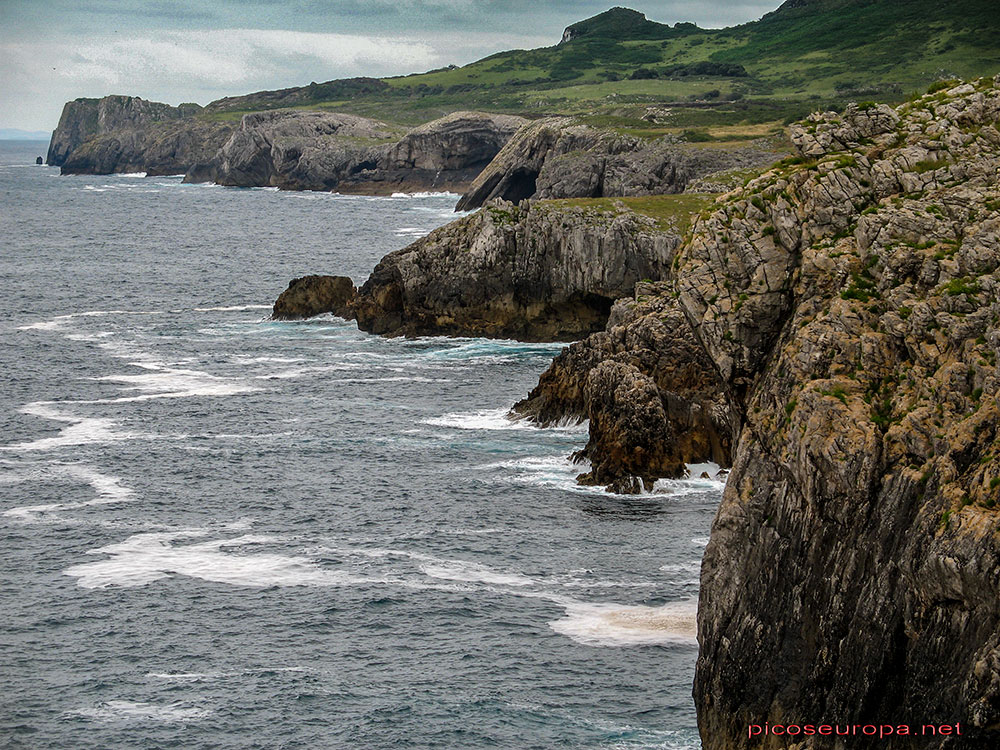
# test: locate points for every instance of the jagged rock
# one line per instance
(309, 296)
(560, 158)
(129, 134)
(538, 272)
(631, 437)
(294, 150)
(679, 415)
(298, 150)
(854, 566)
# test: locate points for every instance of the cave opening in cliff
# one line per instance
(520, 185)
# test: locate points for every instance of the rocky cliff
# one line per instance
(129, 134)
(296, 150)
(848, 303)
(534, 271)
(560, 158)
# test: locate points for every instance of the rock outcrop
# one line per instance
(309, 296)
(560, 158)
(535, 271)
(651, 393)
(849, 303)
(129, 134)
(298, 150)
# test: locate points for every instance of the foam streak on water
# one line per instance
(225, 531)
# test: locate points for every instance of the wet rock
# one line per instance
(681, 413)
(309, 296)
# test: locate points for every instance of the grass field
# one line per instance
(624, 71)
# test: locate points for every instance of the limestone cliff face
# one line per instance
(854, 566)
(129, 134)
(848, 301)
(296, 150)
(533, 272)
(559, 158)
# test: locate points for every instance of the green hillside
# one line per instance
(619, 68)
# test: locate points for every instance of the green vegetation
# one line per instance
(836, 392)
(957, 287)
(929, 165)
(620, 65)
(861, 288)
(672, 213)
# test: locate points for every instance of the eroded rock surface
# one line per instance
(129, 134)
(536, 271)
(653, 397)
(301, 150)
(560, 158)
(848, 301)
(309, 296)
(854, 566)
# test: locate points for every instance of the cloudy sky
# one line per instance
(173, 51)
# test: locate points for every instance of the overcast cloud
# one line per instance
(52, 51)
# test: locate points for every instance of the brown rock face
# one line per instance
(854, 565)
(631, 438)
(309, 296)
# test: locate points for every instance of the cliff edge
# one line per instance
(303, 150)
(535, 271)
(129, 134)
(846, 304)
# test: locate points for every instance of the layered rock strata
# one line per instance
(848, 301)
(295, 150)
(534, 271)
(560, 158)
(129, 134)
(854, 565)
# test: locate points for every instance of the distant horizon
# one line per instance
(28, 136)
(55, 51)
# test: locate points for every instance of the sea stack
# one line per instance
(309, 296)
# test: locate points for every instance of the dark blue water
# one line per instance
(218, 531)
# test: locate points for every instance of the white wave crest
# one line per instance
(495, 419)
(144, 558)
(108, 490)
(80, 430)
(628, 625)
(233, 308)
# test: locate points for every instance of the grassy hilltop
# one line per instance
(621, 69)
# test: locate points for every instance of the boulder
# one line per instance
(309, 296)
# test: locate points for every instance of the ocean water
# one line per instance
(218, 531)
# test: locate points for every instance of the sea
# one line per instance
(221, 531)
